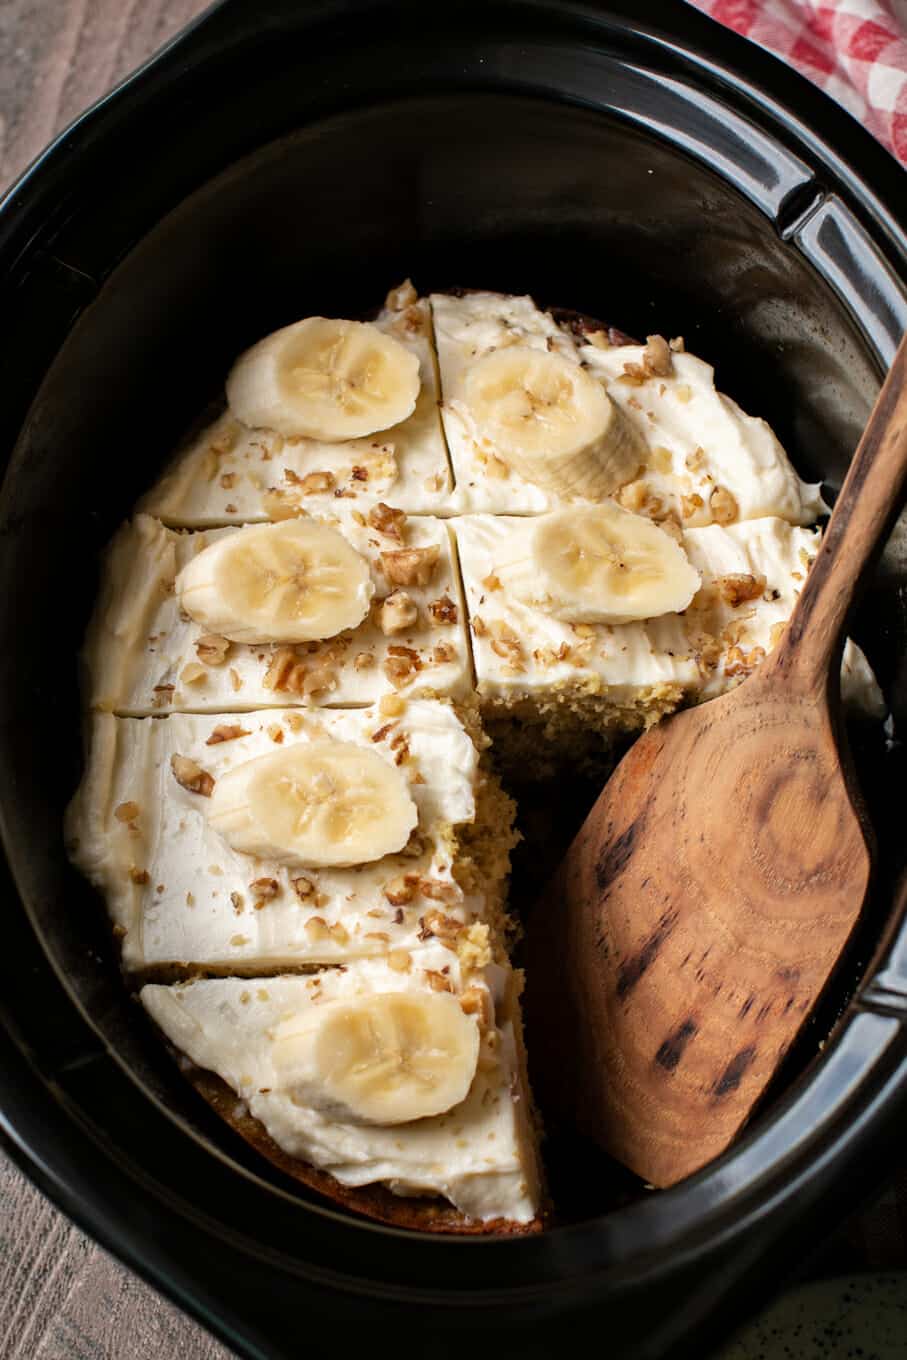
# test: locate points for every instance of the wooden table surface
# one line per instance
(62, 1297)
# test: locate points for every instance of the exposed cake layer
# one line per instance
(144, 655)
(180, 896)
(229, 474)
(479, 1153)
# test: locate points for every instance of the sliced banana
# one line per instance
(294, 581)
(552, 422)
(597, 564)
(327, 804)
(383, 1059)
(329, 380)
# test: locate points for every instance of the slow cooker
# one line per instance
(629, 159)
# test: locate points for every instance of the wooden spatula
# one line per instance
(702, 907)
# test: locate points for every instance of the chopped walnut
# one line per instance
(391, 705)
(213, 649)
(506, 644)
(359, 473)
(691, 505)
(339, 933)
(126, 812)
(738, 589)
(477, 1001)
(401, 665)
(657, 357)
(383, 732)
(239, 903)
(286, 672)
(677, 345)
(638, 497)
(492, 582)
(397, 613)
(226, 437)
(479, 626)
(695, 461)
(443, 610)
(315, 483)
(191, 776)
(139, 876)
(400, 960)
(317, 928)
(193, 674)
(388, 521)
(279, 504)
(401, 297)
(723, 505)
(410, 566)
(303, 887)
(443, 928)
(437, 981)
(363, 661)
(228, 480)
(401, 889)
(740, 663)
(264, 890)
(226, 732)
(442, 653)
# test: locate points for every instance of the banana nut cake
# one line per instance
(467, 534)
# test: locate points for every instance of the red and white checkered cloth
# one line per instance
(855, 50)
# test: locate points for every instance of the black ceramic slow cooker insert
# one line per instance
(629, 159)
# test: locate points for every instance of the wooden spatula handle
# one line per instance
(869, 500)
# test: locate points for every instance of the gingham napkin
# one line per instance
(855, 50)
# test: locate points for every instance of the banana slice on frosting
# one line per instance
(295, 581)
(324, 804)
(384, 1059)
(552, 422)
(329, 380)
(600, 564)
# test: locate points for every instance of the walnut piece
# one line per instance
(313, 483)
(401, 889)
(264, 890)
(401, 665)
(387, 521)
(723, 505)
(657, 357)
(126, 812)
(443, 610)
(410, 566)
(191, 776)
(213, 649)
(738, 589)
(397, 613)
(286, 671)
(226, 732)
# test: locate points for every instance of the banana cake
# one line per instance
(465, 537)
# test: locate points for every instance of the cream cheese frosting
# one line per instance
(144, 655)
(178, 894)
(230, 474)
(751, 574)
(478, 1154)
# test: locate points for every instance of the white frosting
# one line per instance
(700, 440)
(478, 1154)
(169, 878)
(701, 652)
(140, 644)
(223, 476)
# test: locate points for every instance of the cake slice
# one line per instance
(401, 1090)
(230, 473)
(196, 870)
(548, 670)
(144, 653)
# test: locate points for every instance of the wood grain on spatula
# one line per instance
(702, 908)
